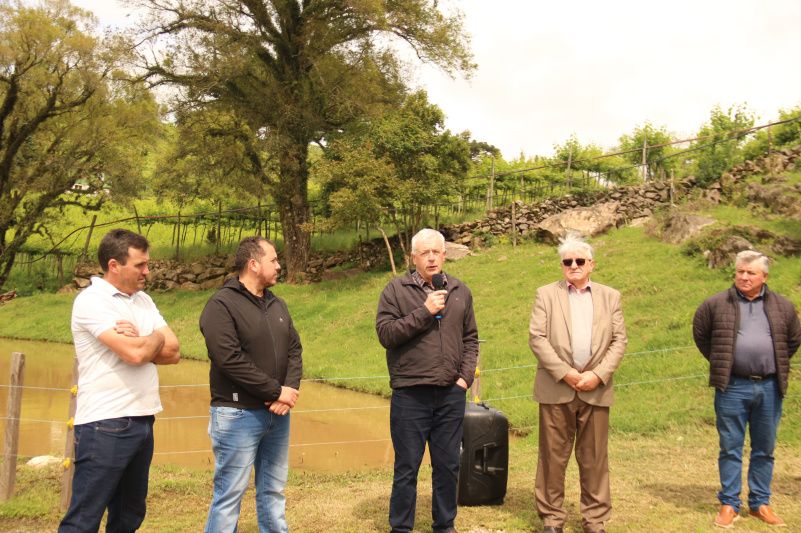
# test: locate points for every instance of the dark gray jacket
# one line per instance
(253, 347)
(715, 328)
(422, 350)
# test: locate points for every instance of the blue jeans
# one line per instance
(418, 415)
(240, 437)
(758, 404)
(112, 463)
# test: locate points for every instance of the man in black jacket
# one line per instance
(426, 323)
(748, 333)
(254, 377)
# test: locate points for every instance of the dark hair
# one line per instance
(249, 248)
(115, 245)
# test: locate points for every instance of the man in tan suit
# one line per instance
(578, 336)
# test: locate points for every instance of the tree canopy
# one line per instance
(397, 169)
(296, 72)
(72, 131)
(719, 143)
(656, 143)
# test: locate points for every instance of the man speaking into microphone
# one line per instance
(425, 321)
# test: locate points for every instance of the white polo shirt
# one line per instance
(108, 387)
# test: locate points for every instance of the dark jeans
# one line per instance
(758, 405)
(112, 463)
(418, 415)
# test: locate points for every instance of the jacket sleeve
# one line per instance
(617, 347)
(467, 370)
(393, 327)
(793, 331)
(539, 343)
(702, 329)
(225, 352)
(294, 369)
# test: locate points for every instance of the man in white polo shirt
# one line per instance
(119, 337)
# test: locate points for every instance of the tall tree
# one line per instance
(71, 132)
(298, 70)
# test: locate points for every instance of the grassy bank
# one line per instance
(660, 483)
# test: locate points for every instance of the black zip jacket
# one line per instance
(253, 347)
(422, 350)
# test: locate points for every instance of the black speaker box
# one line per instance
(484, 463)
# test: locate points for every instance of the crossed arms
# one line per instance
(160, 347)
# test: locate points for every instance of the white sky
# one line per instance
(598, 69)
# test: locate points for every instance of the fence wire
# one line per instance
(500, 399)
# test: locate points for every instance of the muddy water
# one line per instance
(332, 429)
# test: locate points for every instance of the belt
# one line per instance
(754, 377)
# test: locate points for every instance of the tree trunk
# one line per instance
(389, 251)
(293, 205)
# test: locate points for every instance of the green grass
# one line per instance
(661, 289)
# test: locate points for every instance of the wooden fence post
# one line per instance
(69, 446)
(491, 187)
(138, 222)
(514, 226)
(85, 251)
(8, 472)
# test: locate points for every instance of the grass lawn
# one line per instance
(662, 483)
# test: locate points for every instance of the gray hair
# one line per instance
(425, 234)
(752, 256)
(574, 243)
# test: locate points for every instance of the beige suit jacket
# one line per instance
(549, 339)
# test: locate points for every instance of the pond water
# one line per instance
(332, 429)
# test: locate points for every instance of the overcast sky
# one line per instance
(598, 69)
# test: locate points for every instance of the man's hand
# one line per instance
(277, 408)
(461, 383)
(589, 381)
(127, 328)
(288, 396)
(436, 301)
(572, 378)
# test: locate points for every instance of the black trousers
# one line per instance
(418, 415)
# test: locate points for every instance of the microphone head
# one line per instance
(438, 281)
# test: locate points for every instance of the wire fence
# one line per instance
(225, 226)
(339, 410)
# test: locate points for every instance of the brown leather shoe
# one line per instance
(726, 517)
(766, 514)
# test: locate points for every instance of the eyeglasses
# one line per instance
(569, 262)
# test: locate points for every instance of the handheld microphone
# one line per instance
(438, 281)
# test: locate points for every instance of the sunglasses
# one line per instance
(569, 262)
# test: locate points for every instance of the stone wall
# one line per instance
(205, 273)
(632, 203)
